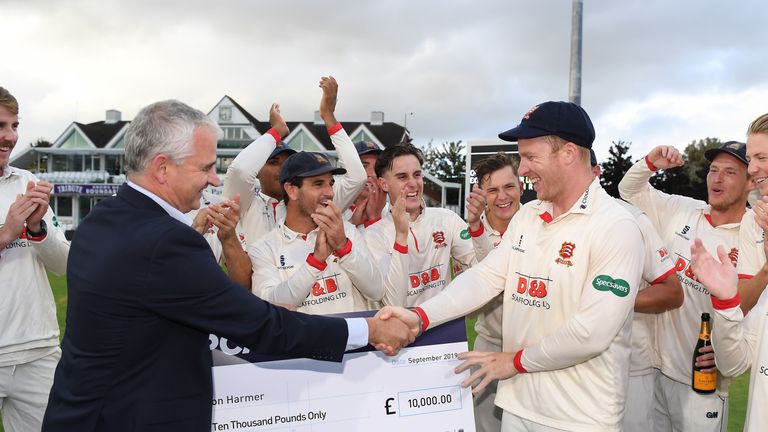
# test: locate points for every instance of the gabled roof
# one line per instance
(388, 133)
(245, 112)
(101, 133)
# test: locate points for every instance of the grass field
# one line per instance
(738, 393)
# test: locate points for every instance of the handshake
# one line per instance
(393, 328)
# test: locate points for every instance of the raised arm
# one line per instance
(241, 174)
(349, 186)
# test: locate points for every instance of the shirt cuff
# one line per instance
(335, 128)
(727, 303)
(39, 238)
(403, 249)
(477, 233)
(358, 333)
(651, 166)
(275, 135)
(518, 362)
(345, 250)
(316, 263)
(423, 316)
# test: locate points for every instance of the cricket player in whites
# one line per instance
(741, 344)
(493, 202)
(678, 220)
(569, 267)
(660, 291)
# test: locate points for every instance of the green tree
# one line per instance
(691, 178)
(615, 167)
(446, 162)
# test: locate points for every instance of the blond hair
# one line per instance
(8, 101)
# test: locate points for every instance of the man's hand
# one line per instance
(359, 215)
(225, 216)
(720, 279)
(377, 199)
(401, 219)
(476, 202)
(200, 222)
(388, 336)
(39, 193)
(706, 359)
(276, 120)
(492, 366)
(665, 157)
(18, 212)
(328, 218)
(408, 317)
(328, 101)
(322, 249)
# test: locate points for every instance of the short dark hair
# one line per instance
(296, 181)
(387, 157)
(492, 164)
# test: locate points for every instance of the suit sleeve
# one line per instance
(241, 174)
(186, 285)
(53, 250)
(605, 306)
(346, 190)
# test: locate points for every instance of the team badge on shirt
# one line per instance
(733, 255)
(439, 238)
(566, 253)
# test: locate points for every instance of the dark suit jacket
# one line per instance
(144, 293)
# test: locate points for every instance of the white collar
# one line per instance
(171, 210)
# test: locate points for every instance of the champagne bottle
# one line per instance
(703, 382)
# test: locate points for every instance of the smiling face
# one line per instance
(502, 188)
(727, 183)
(757, 155)
(404, 177)
(9, 124)
(313, 192)
(542, 166)
(187, 180)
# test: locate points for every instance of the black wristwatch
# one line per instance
(43, 230)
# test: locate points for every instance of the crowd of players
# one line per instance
(587, 307)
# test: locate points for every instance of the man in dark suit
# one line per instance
(145, 291)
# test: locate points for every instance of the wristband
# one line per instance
(38, 235)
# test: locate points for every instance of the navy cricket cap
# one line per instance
(307, 164)
(281, 148)
(367, 147)
(563, 119)
(734, 148)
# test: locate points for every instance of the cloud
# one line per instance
(653, 71)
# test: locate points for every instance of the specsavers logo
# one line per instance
(619, 287)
